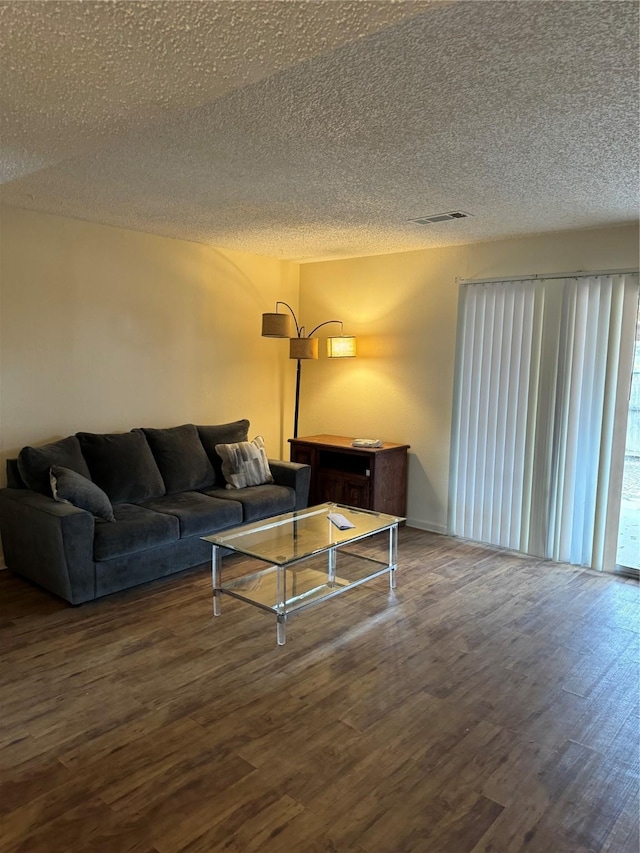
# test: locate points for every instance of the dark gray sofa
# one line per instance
(166, 490)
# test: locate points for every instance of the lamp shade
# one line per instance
(303, 348)
(276, 326)
(343, 346)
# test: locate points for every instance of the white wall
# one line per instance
(104, 329)
(403, 308)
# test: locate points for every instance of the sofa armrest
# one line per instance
(49, 542)
(294, 475)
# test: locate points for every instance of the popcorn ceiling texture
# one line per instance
(72, 73)
(316, 130)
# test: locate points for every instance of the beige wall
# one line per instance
(104, 329)
(403, 309)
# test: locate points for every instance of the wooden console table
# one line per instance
(367, 477)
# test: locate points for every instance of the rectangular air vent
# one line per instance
(440, 217)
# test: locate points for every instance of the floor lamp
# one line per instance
(303, 346)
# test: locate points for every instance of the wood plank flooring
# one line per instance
(487, 705)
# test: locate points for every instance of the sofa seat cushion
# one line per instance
(259, 501)
(122, 465)
(181, 458)
(197, 514)
(136, 528)
(34, 463)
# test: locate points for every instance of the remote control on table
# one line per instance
(340, 521)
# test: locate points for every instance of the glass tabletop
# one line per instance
(292, 536)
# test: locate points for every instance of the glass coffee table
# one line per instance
(308, 559)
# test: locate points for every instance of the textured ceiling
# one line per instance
(309, 130)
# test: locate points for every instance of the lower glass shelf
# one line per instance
(303, 585)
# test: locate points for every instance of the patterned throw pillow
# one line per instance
(245, 463)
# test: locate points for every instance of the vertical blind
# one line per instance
(542, 370)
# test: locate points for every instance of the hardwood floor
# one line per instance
(489, 704)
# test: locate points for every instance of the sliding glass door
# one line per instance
(628, 555)
(541, 399)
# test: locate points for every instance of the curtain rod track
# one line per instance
(539, 276)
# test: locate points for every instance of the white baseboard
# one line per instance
(427, 525)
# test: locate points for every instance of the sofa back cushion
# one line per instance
(222, 434)
(34, 463)
(122, 465)
(181, 458)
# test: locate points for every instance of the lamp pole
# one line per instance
(297, 403)
(274, 327)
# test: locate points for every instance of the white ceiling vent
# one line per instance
(440, 217)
